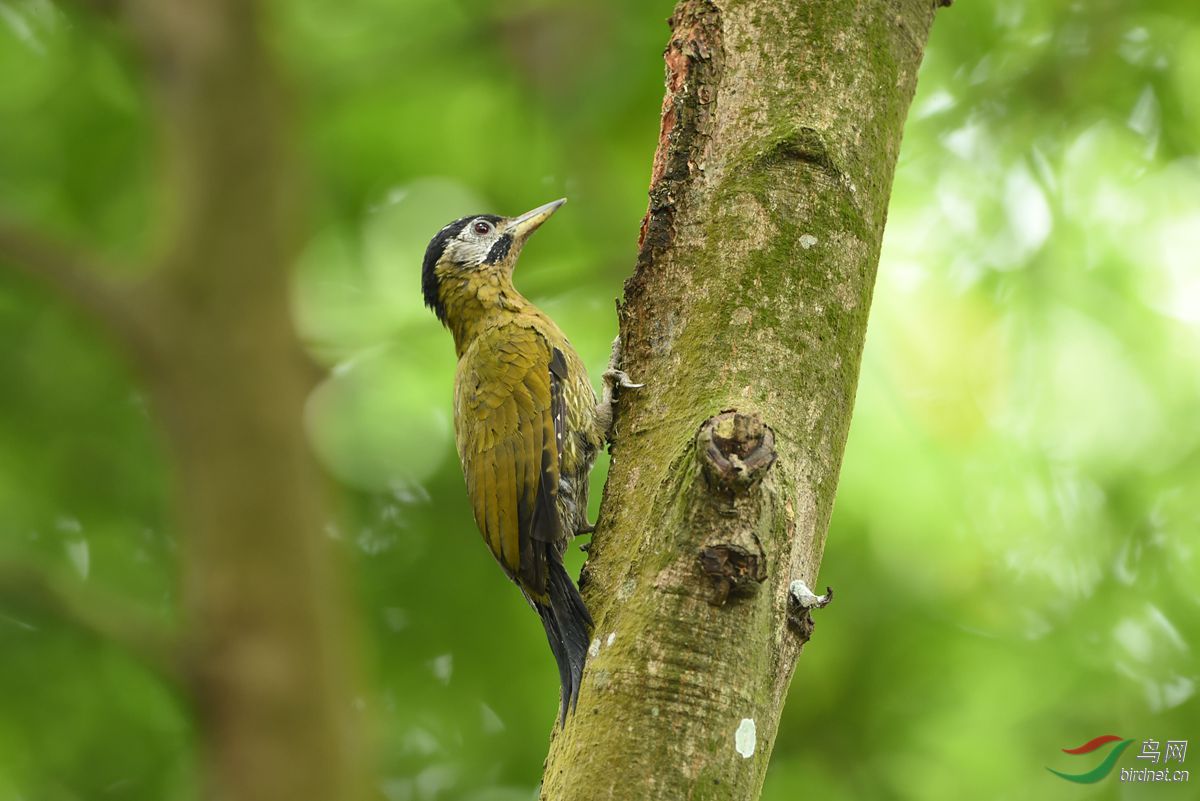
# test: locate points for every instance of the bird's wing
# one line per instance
(511, 412)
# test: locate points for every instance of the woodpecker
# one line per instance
(526, 420)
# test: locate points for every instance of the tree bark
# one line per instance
(265, 621)
(768, 195)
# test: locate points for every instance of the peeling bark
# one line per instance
(745, 317)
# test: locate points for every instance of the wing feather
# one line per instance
(511, 413)
(508, 499)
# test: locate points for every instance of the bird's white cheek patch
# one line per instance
(744, 739)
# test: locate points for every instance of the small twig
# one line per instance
(801, 602)
(106, 617)
(73, 276)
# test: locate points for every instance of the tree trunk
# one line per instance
(263, 658)
(757, 257)
(265, 622)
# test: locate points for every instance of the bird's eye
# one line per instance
(482, 228)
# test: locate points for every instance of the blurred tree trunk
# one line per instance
(780, 129)
(262, 658)
(265, 626)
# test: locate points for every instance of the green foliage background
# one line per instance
(1014, 545)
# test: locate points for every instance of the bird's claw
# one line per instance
(614, 381)
(619, 378)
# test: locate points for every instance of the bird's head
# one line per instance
(476, 249)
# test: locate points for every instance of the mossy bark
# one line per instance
(769, 190)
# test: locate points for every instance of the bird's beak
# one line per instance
(524, 225)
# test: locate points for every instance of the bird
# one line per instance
(527, 422)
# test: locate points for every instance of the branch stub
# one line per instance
(801, 602)
(735, 450)
(734, 570)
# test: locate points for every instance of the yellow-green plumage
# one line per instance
(505, 431)
(527, 424)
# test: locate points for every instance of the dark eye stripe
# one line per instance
(499, 250)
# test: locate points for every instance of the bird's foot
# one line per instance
(606, 409)
(615, 379)
(614, 376)
(586, 528)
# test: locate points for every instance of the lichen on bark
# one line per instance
(780, 128)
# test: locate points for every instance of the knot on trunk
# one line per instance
(735, 450)
(734, 570)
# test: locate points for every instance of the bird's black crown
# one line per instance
(433, 254)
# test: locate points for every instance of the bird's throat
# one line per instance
(474, 304)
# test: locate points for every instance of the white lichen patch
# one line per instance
(745, 738)
(600, 678)
(594, 648)
(805, 597)
(611, 639)
(807, 241)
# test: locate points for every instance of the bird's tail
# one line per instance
(568, 628)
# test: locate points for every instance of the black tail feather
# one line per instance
(568, 628)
